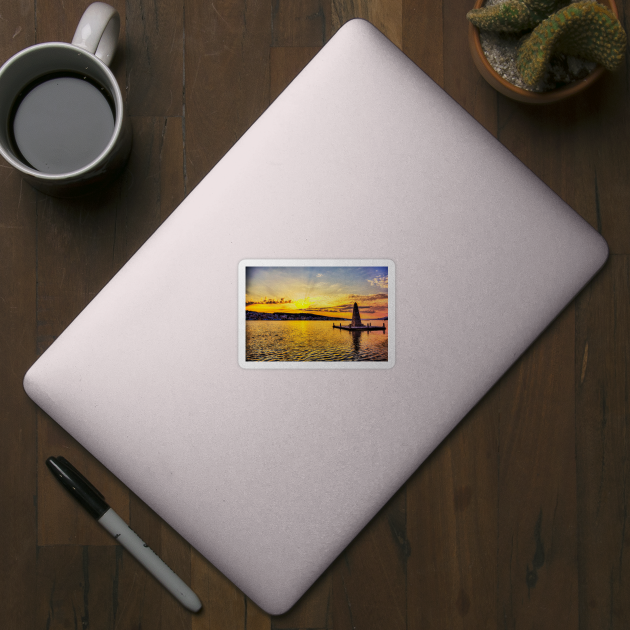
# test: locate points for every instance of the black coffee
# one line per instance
(61, 123)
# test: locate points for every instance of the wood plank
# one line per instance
(312, 611)
(452, 526)
(564, 147)
(537, 537)
(423, 36)
(255, 617)
(74, 248)
(608, 127)
(386, 15)
(17, 28)
(224, 606)
(558, 148)
(76, 587)
(285, 64)
(18, 415)
(461, 78)
(608, 124)
(300, 22)
(154, 57)
(171, 159)
(603, 442)
(152, 185)
(369, 577)
(574, 149)
(56, 23)
(18, 421)
(226, 78)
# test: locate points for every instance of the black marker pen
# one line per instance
(94, 502)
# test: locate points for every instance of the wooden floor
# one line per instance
(518, 520)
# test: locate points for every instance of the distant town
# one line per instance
(253, 315)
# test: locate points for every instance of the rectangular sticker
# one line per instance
(316, 313)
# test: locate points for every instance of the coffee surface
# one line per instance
(62, 124)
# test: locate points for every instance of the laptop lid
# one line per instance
(222, 375)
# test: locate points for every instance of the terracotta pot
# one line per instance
(518, 94)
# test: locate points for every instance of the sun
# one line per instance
(302, 304)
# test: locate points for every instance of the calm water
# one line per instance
(313, 341)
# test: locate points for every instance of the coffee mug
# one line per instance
(62, 114)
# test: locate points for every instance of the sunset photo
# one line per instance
(316, 313)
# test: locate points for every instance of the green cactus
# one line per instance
(513, 16)
(584, 29)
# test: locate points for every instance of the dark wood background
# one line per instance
(518, 520)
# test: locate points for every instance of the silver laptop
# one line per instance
(317, 315)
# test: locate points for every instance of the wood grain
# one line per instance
(76, 587)
(151, 187)
(313, 610)
(574, 149)
(226, 78)
(537, 511)
(224, 606)
(18, 416)
(452, 516)
(369, 577)
(422, 36)
(386, 15)
(154, 57)
(57, 22)
(285, 64)
(609, 134)
(602, 380)
(461, 79)
(300, 22)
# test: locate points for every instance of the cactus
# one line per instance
(513, 16)
(584, 29)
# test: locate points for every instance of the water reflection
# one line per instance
(312, 341)
(356, 341)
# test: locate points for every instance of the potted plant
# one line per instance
(549, 50)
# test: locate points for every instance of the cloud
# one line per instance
(362, 309)
(270, 301)
(369, 298)
(319, 275)
(326, 309)
(379, 281)
(344, 308)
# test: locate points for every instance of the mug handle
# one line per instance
(98, 30)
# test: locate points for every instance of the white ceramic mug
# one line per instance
(88, 57)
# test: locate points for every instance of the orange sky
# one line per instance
(330, 291)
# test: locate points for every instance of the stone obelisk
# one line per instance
(356, 318)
